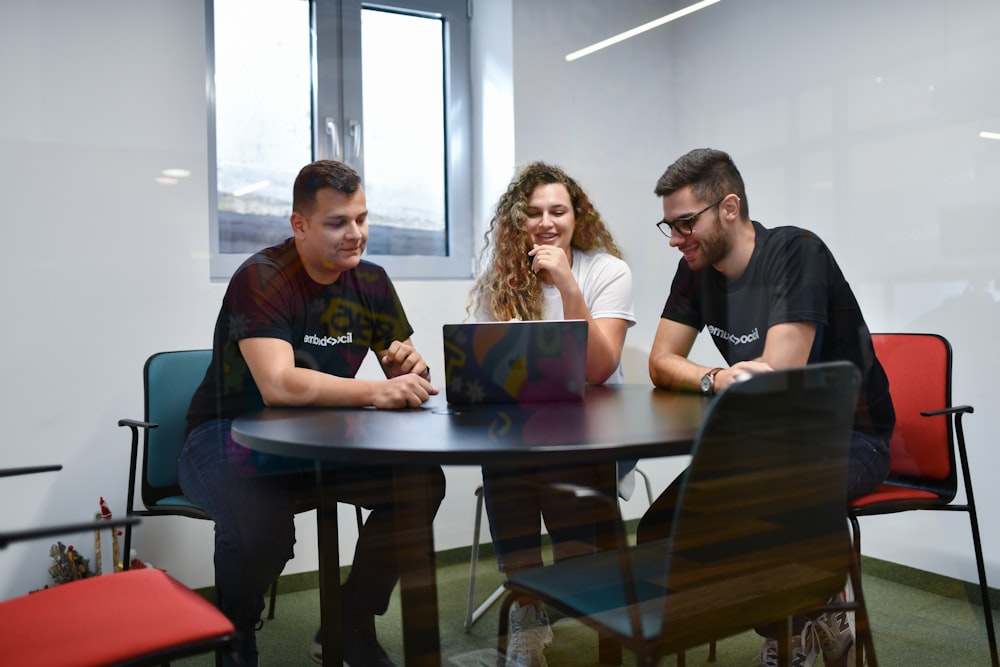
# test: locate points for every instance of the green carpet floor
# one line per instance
(918, 620)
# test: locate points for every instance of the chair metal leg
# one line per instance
(473, 614)
(865, 651)
(646, 483)
(984, 588)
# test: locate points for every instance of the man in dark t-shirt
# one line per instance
(296, 323)
(770, 299)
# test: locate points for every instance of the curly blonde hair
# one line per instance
(508, 288)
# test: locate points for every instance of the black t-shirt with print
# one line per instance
(792, 277)
(331, 328)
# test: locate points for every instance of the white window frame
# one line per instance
(336, 94)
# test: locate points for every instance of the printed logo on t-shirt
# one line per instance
(734, 339)
(327, 341)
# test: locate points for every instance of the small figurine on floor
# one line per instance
(105, 515)
(67, 564)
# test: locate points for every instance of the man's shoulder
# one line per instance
(277, 256)
(785, 236)
(366, 265)
(367, 271)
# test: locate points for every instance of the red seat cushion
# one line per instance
(104, 620)
(891, 493)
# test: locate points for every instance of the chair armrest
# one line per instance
(134, 426)
(959, 411)
(954, 410)
(30, 470)
(48, 531)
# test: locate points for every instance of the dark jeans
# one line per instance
(253, 500)
(517, 498)
(867, 468)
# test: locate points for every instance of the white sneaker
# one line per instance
(530, 633)
(803, 649)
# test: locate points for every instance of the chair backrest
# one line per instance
(764, 500)
(922, 448)
(170, 379)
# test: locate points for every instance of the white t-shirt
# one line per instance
(606, 284)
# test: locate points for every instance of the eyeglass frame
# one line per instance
(686, 220)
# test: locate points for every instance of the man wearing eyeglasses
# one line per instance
(770, 298)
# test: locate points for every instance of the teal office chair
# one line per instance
(759, 534)
(169, 382)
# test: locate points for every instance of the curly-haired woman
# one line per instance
(550, 257)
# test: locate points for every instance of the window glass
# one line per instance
(382, 88)
(403, 103)
(263, 133)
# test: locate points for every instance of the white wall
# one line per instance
(104, 266)
(856, 119)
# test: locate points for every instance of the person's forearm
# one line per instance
(603, 356)
(303, 387)
(672, 371)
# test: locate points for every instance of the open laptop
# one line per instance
(515, 362)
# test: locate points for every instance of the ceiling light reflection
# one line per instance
(621, 37)
(253, 187)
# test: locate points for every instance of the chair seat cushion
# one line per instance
(171, 502)
(591, 588)
(106, 620)
(892, 493)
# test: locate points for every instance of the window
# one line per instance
(383, 87)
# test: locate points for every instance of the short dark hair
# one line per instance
(322, 174)
(711, 173)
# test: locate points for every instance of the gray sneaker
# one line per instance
(530, 633)
(803, 650)
(836, 639)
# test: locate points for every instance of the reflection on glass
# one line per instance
(404, 155)
(262, 117)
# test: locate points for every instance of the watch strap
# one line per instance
(711, 376)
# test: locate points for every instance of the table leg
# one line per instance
(609, 651)
(417, 576)
(329, 567)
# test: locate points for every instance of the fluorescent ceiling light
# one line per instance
(176, 173)
(253, 187)
(990, 135)
(621, 37)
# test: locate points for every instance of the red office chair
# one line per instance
(82, 622)
(923, 474)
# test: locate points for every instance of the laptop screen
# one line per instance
(522, 362)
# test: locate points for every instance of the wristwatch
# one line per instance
(708, 382)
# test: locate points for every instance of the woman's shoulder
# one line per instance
(599, 259)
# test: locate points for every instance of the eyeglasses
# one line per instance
(683, 225)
